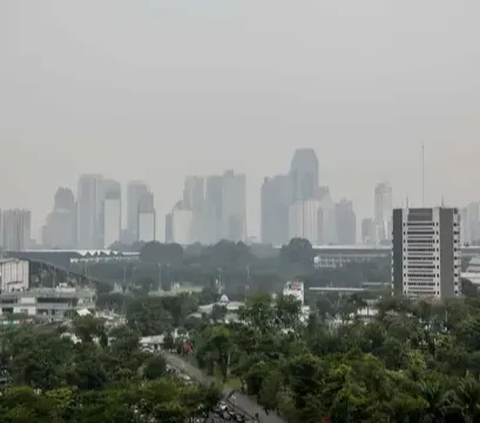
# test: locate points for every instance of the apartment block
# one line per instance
(426, 252)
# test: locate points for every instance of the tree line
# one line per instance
(259, 267)
(414, 362)
(98, 376)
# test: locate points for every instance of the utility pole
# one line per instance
(159, 276)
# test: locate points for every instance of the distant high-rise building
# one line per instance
(382, 218)
(135, 191)
(146, 218)
(314, 219)
(213, 210)
(426, 252)
(194, 200)
(305, 174)
(89, 211)
(194, 192)
(181, 224)
(367, 231)
(112, 212)
(224, 210)
(470, 216)
(328, 223)
(305, 220)
(1, 231)
(276, 198)
(16, 229)
(346, 223)
(64, 199)
(169, 228)
(60, 227)
(234, 206)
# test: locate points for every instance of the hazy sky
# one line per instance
(158, 89)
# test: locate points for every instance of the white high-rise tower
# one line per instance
(382, 218)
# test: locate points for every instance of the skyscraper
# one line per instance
(213, 210)
(146, 218)
(194, 201)
(367, 230)
(346, 222)
(181, 221)
(382, 217)
(16, 229)
(90, 209)
(135, 191)
(426, 252)
(470, 216)
(194, 192)
(276, 197)
(112, 212)
(168, 228)
(305, 174)
(234, 206)
(305, 220)
(225, 209)
(60, 227)
(328, 219)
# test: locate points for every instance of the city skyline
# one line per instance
(177, 90)
(253, 212)
(103, 211)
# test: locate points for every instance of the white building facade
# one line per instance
(89, 213)
(234, 207)
(383, 206)
(426, 252)
(305, 220)
(14, 275)
(296, 290)
(112, 213)
(135, 191)
(49, 303)
(146, 218)
(182, 221)
(470, 216)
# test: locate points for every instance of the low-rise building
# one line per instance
(50, 303)
(14, 275)
(296, 290)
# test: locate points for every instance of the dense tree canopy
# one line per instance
(413, 362)
(47, 377)
(241, 269)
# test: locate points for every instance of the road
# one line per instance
(242, 402)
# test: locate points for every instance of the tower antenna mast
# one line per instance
(423, 174)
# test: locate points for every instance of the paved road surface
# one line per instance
(236, 399)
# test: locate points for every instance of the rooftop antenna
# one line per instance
(406, 202)
(423, 174)
(443, 201)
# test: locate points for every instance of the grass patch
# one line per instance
(233, 383)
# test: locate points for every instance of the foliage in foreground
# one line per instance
(414, 362)
(49, 378)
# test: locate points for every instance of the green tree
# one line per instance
(157, 253)
(259, 312)
(89, 328)
(148, 316)
(298, 251)
(155, 368)
(218, 313)
(288, 310)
